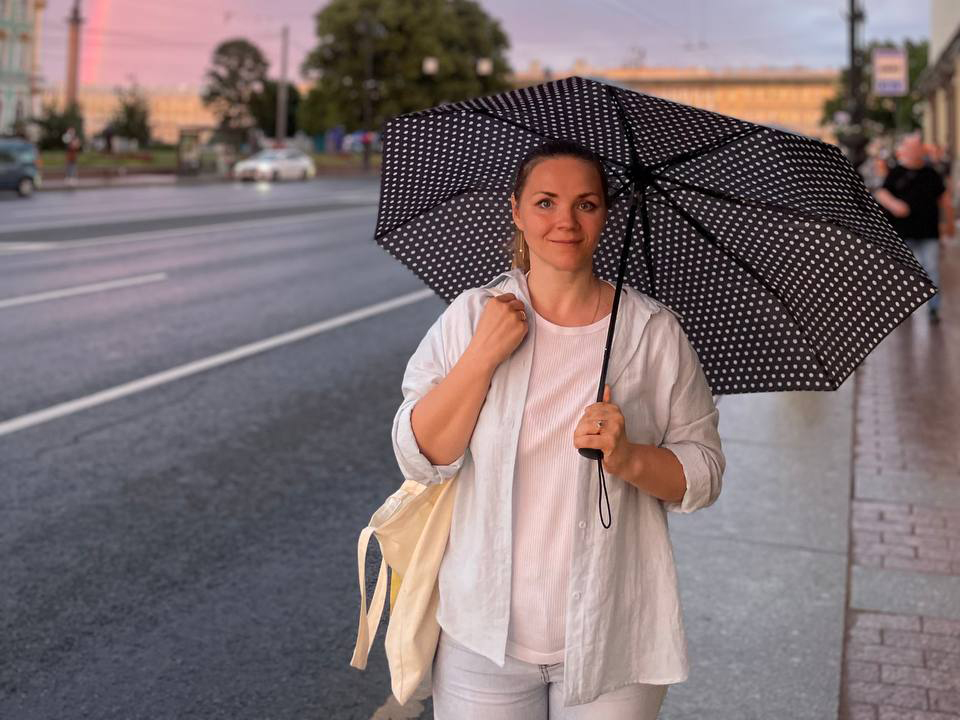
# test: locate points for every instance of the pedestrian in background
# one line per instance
(913, 193)
(71, 141)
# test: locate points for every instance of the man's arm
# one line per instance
(892, 203)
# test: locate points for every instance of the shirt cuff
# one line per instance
(413, 463)
(696, 475)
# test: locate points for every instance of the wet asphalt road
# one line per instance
(188, 550)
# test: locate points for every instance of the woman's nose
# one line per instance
(567, 218)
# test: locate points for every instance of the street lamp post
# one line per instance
(429, 67)
(855, 139)
(369, 28)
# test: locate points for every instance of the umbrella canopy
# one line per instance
(781, 266)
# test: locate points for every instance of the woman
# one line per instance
(544, 611)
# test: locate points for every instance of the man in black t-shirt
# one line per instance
(911, 194)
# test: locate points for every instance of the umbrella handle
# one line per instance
(595, 453)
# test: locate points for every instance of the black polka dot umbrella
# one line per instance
(781, 266)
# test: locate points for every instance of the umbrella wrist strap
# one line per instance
(602, 493)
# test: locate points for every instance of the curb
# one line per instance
(59, 184)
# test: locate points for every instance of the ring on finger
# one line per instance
(523, 315)
(599, 423)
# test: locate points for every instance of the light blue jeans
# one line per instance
(927, 251)
(468, 686)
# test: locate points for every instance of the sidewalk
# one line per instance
(825, 581)
(903, 640)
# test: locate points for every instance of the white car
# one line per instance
(279, 164)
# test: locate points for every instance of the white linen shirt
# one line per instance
(623, 620)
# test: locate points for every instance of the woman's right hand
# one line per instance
(500, 329)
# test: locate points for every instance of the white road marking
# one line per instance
(81, 289)
(173, 233)
(197, 366)
(13, 247)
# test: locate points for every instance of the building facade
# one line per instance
(939, 84)
(170, 108)
(19, 76)
(788, 98)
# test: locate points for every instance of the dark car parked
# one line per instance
(18, 166)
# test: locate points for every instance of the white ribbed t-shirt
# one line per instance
(564, 374)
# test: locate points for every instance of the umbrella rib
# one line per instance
(624, 127)
(754, 204)
(711, 238)
(620, 192)
(521, 126)
(700, 152)
(781, 208)
(514, 123)
(441, 201)
(648, 262)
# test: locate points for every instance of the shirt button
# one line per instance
(576, 596)
(582, 524)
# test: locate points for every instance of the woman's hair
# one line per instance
(552, 148)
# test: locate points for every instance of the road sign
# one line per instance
(890, 72)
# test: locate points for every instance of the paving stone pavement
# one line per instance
(902, 640)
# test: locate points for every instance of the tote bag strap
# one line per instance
(369, 622)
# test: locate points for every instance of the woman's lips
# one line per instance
(567, 242)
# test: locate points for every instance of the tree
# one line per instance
(884, 114)
(131, 119)
(399, 35)
(237, 73)
(54, 124)
(263, 108)
(316, 113)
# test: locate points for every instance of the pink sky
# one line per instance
(169, 42)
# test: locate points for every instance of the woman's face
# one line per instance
(561, 212)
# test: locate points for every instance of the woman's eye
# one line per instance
(590, 205)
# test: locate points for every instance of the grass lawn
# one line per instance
(344, 160)
(140, 160)
(166, 159)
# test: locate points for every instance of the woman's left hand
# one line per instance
(611, 437)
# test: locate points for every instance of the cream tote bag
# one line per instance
(412, 527)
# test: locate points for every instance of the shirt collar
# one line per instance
(632, 315)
